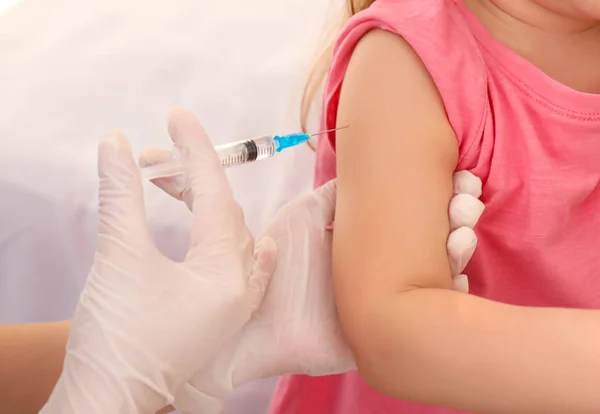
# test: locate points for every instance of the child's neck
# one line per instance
(565, 47)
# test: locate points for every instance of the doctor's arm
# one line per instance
(391, 273)
(31, 359)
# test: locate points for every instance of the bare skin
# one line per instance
(31, 357)
(557, 33)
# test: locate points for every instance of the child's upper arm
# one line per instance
(395, 166)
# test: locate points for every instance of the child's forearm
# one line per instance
(445, 348)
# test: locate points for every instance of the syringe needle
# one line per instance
(328, 131)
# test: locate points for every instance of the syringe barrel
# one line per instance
(242, 152)
(236, 153)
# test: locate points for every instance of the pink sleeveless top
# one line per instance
(535, 143)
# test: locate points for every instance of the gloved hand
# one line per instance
(144, 324)
(296, 330)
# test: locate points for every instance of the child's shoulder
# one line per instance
(439, 33)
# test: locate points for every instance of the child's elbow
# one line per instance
(367, 332)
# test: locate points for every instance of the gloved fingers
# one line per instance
(460, 246)
(466, 183)
(206, 186)
(174, 186)
(464, 211)
(318, 204)
(460, 283)
(121, 199)
(265, 261)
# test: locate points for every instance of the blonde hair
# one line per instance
(319, 71)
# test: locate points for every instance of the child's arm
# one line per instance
(412, 337)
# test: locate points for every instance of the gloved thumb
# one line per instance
(328, 192)
(265, 261)
(121, 202)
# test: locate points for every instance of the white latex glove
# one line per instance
(144, 324)
(296, 330)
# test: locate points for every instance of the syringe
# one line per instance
(236, 153)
